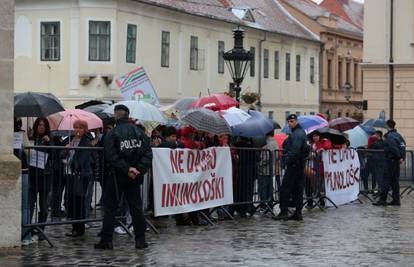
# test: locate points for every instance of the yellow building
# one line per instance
(388, 65)
(340, 56)
(75, 49)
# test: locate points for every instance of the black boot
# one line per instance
(104, 245)
(394, 203)
(141, 244)
(282, 216)
(380, 203)
(297, 216)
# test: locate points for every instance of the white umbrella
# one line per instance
(234, 116)
(357, 137)
(140, 110)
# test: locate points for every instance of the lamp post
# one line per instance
(237, 60)
(347, 89)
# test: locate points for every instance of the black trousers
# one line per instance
(75, 204)
(292, 187)
(39, 183)
(391, 179)
(132, 194)
(58, 185)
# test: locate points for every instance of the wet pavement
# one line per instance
(353, 235)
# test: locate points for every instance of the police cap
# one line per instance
(292, 117)
(121, 107)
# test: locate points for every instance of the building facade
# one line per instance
(75, 49)
(389, 62)
(341, 54)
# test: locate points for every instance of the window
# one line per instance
(131, 43)
(277, 64)
(99, 40)
(329, 74)
(312, 70)
(50, 41)
(287, 75)
(271, 114)
(298, 68)
(253, 61)
(348, 72)
(220, 66)
(194, 53)
(266, 63)
(165, 49)
(340, 74)
(356, 76)
(287, 113)
(311, 113)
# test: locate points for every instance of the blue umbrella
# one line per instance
(368, 129)
(309, 123)
(257, 125)
(377, 123)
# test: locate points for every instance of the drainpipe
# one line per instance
(391, 60)
(259, 103)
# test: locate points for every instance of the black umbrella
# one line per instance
(98, 110)
(33, 104)
(91, 103)
(335, 136)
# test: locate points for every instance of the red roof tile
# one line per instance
(348, 10)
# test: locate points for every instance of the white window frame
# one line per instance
(113, 47)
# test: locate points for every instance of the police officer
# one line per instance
(294, 154)
(128, 152)
(394, 149)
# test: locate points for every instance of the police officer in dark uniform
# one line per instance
(394, 149)
(294, 154)
(128, 152)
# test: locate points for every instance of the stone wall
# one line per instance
(10, 184)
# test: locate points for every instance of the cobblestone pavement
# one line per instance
(353, 235)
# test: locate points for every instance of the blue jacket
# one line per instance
(295, 146)
(394, 145)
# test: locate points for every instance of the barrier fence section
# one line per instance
(372, 171)
(63, 185)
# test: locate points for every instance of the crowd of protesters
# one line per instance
(69, 175)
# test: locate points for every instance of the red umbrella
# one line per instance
(215, 102)
(343, 124)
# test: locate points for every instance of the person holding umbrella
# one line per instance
(39, 176)
(79, 174)
(295, 152)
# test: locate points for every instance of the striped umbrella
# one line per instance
(207, 120)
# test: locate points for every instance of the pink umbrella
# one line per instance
(63, 121)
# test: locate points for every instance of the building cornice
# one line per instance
(386, 65)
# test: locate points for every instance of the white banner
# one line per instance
(18, 140)
(342, 175)
(137, 85)
(187, 180)
(38, 159)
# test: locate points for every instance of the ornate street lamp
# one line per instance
(238, 61)
(347, 89)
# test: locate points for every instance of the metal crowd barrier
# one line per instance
(54, 193)
(372, 170)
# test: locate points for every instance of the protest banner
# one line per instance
(137, 85)
(38, 159)
(342, 175)
(188, 180)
